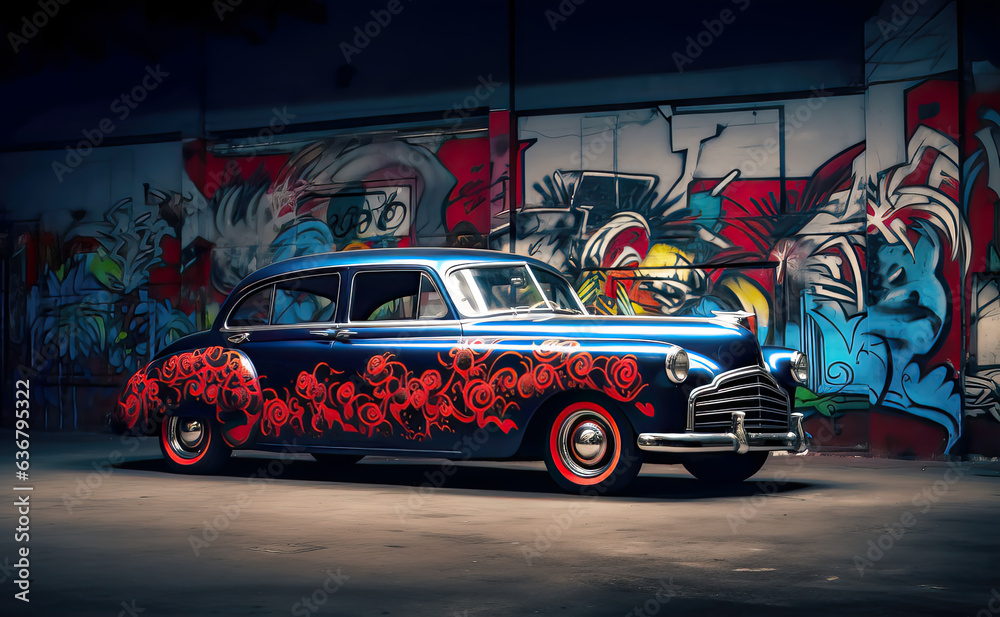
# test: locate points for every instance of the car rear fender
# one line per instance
(212, 382)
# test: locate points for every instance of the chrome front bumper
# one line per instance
(736, 440)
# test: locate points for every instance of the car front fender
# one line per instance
(779, 363)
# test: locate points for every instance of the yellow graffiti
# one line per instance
(665, 256)
(749, 295)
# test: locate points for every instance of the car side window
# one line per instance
(253, 310)
(430, 304)
(395, 295)
(554, 288)
(310, 299)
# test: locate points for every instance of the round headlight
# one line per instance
(678, 365)
(800, 367)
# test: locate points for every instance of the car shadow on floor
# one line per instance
(655, 481)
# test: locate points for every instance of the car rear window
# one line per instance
(306, 299)
(253, 310)
(310, 299)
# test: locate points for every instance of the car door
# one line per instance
(285, 327)
(394, 355)
(372, 375)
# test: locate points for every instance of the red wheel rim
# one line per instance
(567, 458)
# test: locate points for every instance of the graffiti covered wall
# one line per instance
(691, 210)
(839, 220)
(104, 287)
(342, 193)
(857, 223)
(981, 198)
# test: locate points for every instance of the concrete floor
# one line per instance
(112, 533)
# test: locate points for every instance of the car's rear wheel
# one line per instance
(725, 467)
(591, 449)
(335, 461)
(193, 445)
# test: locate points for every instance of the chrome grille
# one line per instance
(750, 390)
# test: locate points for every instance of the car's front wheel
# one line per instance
(591, 449)
(725, 467)
(193, 445)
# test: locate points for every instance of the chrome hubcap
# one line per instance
(190, 433)
(585, 441)
(589, 442)
(186, 437)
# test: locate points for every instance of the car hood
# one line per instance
(722, 343)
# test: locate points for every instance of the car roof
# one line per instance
(439, 259)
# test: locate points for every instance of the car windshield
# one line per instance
(484, 290)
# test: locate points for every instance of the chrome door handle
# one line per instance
(321, 332)
(344, 335)
(242, 337)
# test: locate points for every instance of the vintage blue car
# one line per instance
(463, 354)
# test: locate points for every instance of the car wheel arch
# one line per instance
(533, 444)
(590, 445)
(185, 410)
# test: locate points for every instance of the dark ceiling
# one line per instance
(556, 39)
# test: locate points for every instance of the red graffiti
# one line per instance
(645, 409)
(217, 377)
(486, 386)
